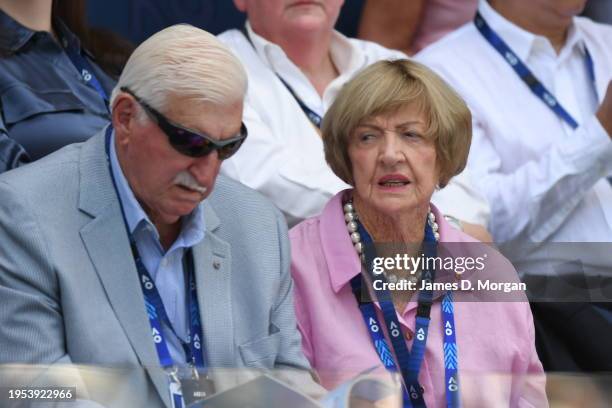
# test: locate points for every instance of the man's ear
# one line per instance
(240, 5)
(124, 117)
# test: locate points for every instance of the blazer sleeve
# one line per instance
(31, 321)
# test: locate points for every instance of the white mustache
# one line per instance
(185, 179)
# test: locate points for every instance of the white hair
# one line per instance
(185, 61)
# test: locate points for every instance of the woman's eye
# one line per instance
(365, 137)
(409, 134)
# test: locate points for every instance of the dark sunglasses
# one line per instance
(187, 141)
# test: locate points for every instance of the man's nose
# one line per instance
(201, 167)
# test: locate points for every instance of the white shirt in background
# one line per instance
(545, 182)
(283, 156)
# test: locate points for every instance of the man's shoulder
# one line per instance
(598, 36)
(236, 41)
(462, 41)
(594, 27)
(43, 175)
(233, 200)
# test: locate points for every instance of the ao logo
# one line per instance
(156, 337)
(448, 330)
(86, 75)
(511, 58)
(196, 342)
(421, 334)
(373, 325)
(394, 329)
(147, 283)
(452, 385)
(550, 100)
(413, 392)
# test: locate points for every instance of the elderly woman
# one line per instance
(396, 132)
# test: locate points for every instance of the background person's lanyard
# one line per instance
(410, 361)
(312, 116)
(86, 71)
(525, 74)
(157, 313)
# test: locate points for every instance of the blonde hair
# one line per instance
(185, 61)
(386, 86)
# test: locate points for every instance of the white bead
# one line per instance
(348, 208)
(355, 237)
(348, 217)
(352, 226)
(392, 279)
(437, 236)
(431, 216)
(434, 227)
(359, 247)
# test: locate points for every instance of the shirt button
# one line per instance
(216, 264)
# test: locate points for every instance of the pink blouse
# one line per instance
(498, 363)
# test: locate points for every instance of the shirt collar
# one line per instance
(346, 57)
(13, 35)
(193, 226)
(521, 41)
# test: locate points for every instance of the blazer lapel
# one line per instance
(108, 246)
(212, 261)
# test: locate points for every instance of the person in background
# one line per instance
(296, 65)
(412, 25)
(394, 133)
(53, 88)
(538, 81)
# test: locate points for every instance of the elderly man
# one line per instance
(537, 79)
(296, 64)
(118, 253)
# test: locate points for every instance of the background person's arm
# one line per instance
(11, 153)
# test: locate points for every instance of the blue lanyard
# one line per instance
(312, 116)
(155, 308)
(87, 72)
(410, 361)
(525, 74)
(157, 314)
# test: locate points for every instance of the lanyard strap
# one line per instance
(154, 304)
(410, 361)
(525, 74)
(157, 314)
(312, 116)
(86, 71)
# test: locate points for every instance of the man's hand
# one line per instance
(604, 114)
